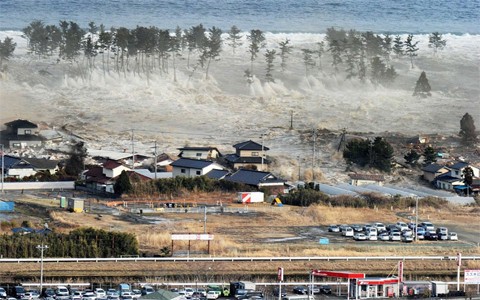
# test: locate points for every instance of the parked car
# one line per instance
(442, 236)
(407, 238)
(146, 290)
(48, 293)
(357, 228)
(283, 291)
(342, 227)
(77, 295)
(202, 291)
(401, 226)
(348, 231)
(138, 293)
(3, 293)
(395, 236)
(62, 292)
(360, 236)
(100, 293)
(380, 226)
(113, 297)
(213, 294)
(384, 237)
(111, 292)
(442, 230)
(412, 225)
(333, 228)
(453, 236)
(302, 290)
(127, 296)
(427, 225)
(431, 235)
(325, 289)
(421, 230)
(197, 296)
(89, 295)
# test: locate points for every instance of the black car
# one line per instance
(48, 293)
(325, 289)
(431, 236)
(302, 290)
(283, 291)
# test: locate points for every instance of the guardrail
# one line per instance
(234, 259)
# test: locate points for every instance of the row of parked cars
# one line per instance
(64, 293)
(399, 231)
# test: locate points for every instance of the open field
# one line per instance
(257, 230)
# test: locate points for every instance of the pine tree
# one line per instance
(308, 60)
(398, 46)
(285, 50)
(436, 42)
(411, 48)
(257, 41)
(123, 184)
(422, 88)
(6, 49)
(467, 129)
(429, 155)
(234, 38)
(412, 157)
(76, 162)
(269, 58)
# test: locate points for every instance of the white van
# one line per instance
(348, 231)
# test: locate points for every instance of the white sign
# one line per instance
(472, 277)
(280, 274)
(192, 237)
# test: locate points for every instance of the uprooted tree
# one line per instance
(467, 129)
(422, 88)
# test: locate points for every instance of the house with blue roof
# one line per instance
(193, 167)
(456, 170)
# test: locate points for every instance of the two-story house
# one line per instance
(432, 171)
(206, 153)
(22, 133)
(102, 178)
(249, 155)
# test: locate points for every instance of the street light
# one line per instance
(41, 248)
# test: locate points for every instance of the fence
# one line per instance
(50, 185)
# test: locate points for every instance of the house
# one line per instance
(17, 167)
(258, 179)
(217, 174)
(21, 134)
(432, 171)
(102, 178)
(447, 182)
(152, 175)
(456, 170)
(193, 167)
(250, 155)
(208, 153)
(43, 164)
(364, 179)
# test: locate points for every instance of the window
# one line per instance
(254, 153)
(199, 154)
(198, 173)
(456, 172)
(28, 131)
(183, 171)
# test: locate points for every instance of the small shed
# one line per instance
(75, 205)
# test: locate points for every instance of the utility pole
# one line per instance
(155, 153)
(205, 219)
(416, 218)
(262, 149)
(3, 165)
(291, 120)
(133, 152)
(41, 248)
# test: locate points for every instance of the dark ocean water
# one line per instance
(408, 16)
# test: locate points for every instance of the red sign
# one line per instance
(400, 271)
(280, 274)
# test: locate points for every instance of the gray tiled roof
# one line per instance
(250, 145)
(217, 174)
(252, 177)
(459, 165)
(191, 163)
(21, 124)
(432, 168)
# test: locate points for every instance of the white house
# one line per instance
(456, 170)
(193, 167)
(112, 168)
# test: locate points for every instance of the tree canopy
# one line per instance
(422, 88)
(376, 154)
(467, 129)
